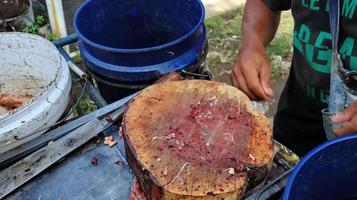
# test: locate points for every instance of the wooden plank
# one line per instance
(27, 168)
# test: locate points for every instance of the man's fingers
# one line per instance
(239, 82)
(244, 88)
(349, 120)
(253, 83)
(346, 115)
(234, 76)
(346, 129)
(265, 78)
(249, 75)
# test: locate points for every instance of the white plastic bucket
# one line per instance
(31, 65)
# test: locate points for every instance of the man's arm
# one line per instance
(259, 23)
(252, 71)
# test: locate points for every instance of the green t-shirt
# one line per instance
(312, 46)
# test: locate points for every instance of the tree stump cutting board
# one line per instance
(196, 139)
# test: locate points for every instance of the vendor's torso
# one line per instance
(312, 47)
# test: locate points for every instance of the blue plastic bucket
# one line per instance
(327, 172)
(133, 43)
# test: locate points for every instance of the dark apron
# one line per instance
(297, 125)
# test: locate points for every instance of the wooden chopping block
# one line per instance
(196, 139)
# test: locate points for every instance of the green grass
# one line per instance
(224, 34)
(282, 43)
(85, 106)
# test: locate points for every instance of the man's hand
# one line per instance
(252, 73)
(348, 119)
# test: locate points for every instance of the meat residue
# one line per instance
(216, 131)
(10, 102)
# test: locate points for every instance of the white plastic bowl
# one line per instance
(30, 64)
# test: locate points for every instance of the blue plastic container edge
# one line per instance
(117, 50)
(113, 71)
(308, 156)
(149, 68)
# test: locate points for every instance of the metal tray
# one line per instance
(284, 162)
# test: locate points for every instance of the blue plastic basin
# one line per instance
(139, 41)
(327, 172)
